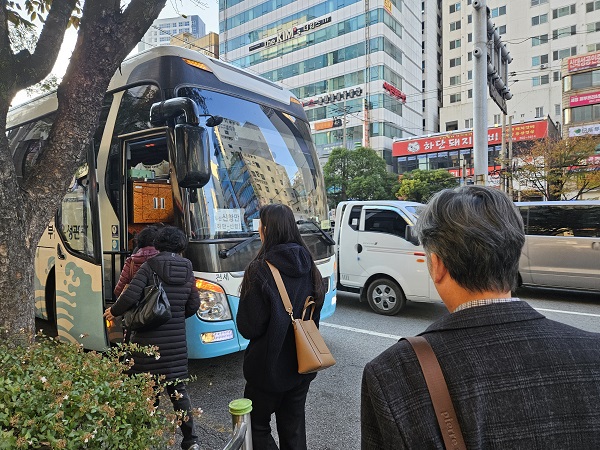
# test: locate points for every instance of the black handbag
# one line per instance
(152, 311)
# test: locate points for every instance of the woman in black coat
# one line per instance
(175, 273)
(270, 365)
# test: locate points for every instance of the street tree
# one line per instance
(560, 168)
(359, 174)
(107, 33)
(420, 185)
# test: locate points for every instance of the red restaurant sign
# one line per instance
(589, 98)
(394, 91)
(455, 141)
(588, 61)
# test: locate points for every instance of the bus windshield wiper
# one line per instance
(226, 253)
(327, 239)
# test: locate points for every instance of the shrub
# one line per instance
(57, 396)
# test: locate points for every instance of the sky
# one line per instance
(208, 10)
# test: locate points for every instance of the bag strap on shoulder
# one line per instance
(285, 298)
(440, 396)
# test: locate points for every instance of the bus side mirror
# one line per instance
(192, 160)
(410, 235)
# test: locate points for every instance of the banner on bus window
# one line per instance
(454, 141)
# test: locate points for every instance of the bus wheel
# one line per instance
(385, 297)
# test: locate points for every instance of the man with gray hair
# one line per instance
(517, 380)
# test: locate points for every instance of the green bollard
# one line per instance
(240, 413)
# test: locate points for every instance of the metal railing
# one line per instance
(241, 438)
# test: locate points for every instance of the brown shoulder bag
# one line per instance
(312, 353)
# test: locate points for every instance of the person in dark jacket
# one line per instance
(175, 273)
(517, 380)
(144, 250)
(270, 365)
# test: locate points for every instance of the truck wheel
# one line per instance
(385, 297)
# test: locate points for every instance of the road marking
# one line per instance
(568, 312)
(360, 330)
(397, 338)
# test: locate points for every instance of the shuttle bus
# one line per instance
(185, 140)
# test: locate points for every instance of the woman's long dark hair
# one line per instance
(281, 228)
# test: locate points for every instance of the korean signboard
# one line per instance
(589, 98)
(583, 62)
(454, 141)
(593, 128)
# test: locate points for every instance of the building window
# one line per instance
(500, 11)
(470, 37)
(538, 2)
(454, 62)
(455, 44)
(470, 18)
(592, 6)
(564, 11)
(556, 75)
(452, 126)
(593, 27)
(557, 109)
(539, 80)
(564, 32)
(468, 123)
(469, 74)
(469, 56)
(538, 40)
(564, 53)
(585, 113)
(496, 119)
(455, 7)
(470, 94)
(455, 80)
(539, 112)
(537, 20)
(502, 29)
(455, 98)
(455, 25)
(593, 47)
(537, 60)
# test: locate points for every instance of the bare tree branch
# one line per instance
(33, 68)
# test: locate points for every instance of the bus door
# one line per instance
(148, 194)
(78, 270)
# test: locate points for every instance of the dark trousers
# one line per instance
(289, 416)
(181, 402)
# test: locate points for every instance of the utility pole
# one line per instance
(490, 69)
(503, 178)
(344, 126)
(510, 161)
(480, 81)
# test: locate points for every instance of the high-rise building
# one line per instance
(538, 33)
(355, 64)
(161, 30)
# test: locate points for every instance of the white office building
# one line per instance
(161, 30)
(539, 34)
(357, 65)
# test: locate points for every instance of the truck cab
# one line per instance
(374, 257)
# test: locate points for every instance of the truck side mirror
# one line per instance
(192, 160)
(410, 235)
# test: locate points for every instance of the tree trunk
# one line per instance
(106, 36)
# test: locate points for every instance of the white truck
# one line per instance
(375, 259)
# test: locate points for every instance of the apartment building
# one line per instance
(161, 30)
(355, 64)
(539, 35)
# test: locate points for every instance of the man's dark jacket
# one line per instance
(179, 284)
(517, 381)
(270, 361)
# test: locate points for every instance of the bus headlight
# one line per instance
(213, 302)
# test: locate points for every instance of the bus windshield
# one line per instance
(259, 155)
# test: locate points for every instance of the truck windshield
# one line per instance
(259, 155)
